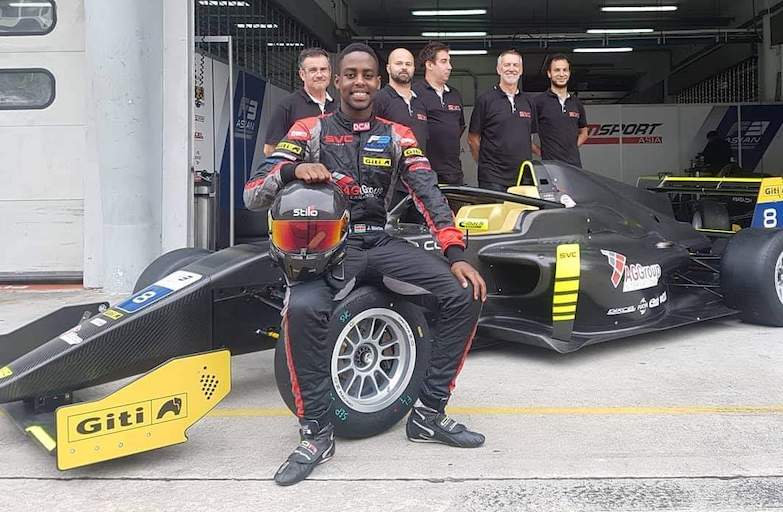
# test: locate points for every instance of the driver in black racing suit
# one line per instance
(364, 155)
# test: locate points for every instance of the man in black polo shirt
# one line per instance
(501, 125)
(397, 101)
(445, 121)
(562, 123)
(311, 100)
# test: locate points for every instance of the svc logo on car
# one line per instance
(634, 276)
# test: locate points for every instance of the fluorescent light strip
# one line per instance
(30, 4)
(451, 12)
(256, 25)
(607, 49)
(467, 52)
(453, 34)
(285, 44)
(224, 3)
(619, 31)
(640, 8)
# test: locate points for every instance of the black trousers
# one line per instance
(374, 258)
(489, 185)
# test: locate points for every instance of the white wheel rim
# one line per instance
(373, 360)
(779, 277)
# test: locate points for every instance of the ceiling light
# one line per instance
(285, 44)
(619, 30)
(604, 49)
(451, 12)
(467, 52)
(453, 34)
(256, 25)
(224, 3)
(30, 4)
(640, 8)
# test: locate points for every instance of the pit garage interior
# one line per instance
(128, 129)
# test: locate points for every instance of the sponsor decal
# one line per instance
(361, 127)
(338, 139)
(200, 118)
(246, 118)
(5, 371)
(453, 108)
(295, 134)
(752, 132)
(421, 117)
(634, 276)
(198, 135)
(642, 307)
(632, 133)
(575, 115)
(155, 292)
(71, 337)
(427, 245)
(412, 152)
(379, 162)
(353, 190)
(477, 224)
(567, 201)
(310, 211)
(287, 146)
(113, 314)
(377, 143)
(98, 321)
(524, 114)
(126, 417)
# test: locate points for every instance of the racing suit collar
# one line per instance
(354, 126)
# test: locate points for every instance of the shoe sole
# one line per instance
(421, 440)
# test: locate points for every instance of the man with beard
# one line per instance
(501, 125)
(311, 100)
(397, 101)
(562, 123)
(364, 152)
(445, 121)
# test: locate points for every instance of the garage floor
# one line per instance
(691, 419)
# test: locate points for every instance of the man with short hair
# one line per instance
(311, 100)
(501, 125)
(398, 101)
(562, 123)
(445, 120)
(717, 152)
(365, 152)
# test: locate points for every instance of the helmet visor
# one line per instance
(313, 236)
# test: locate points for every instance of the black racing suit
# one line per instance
(365, 158)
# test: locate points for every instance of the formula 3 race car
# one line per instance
(570, 259)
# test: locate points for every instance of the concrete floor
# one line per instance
(690, 419)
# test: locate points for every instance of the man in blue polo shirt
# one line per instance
(562, 123)
(501, 125)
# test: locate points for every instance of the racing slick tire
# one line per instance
(395, 358)
(751, 275)
(167, 263)
(711, 215)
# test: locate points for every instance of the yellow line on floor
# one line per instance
(225, 412)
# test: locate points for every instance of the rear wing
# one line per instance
(744, 187)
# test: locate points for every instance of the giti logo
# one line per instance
(310, 211)
(126, 417)
(412, 152)
(772, 191)
(380, 162)
(292, 148)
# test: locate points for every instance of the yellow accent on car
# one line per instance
(151, 412)
(42, 436)
(5, 371)
(771, 190)
(477, 224)
(567, 270)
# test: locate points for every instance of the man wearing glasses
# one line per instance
(562, 123)
(309, 101)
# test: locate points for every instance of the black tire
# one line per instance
(711, 215)
(751, 268)
(348, 421)
(168, 263)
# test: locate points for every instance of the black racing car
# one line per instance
(570, 258)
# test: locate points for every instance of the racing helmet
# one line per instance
(308, 229)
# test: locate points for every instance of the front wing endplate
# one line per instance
(149, 413)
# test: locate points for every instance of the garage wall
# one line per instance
(44, 154)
